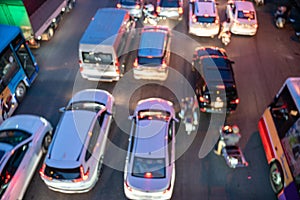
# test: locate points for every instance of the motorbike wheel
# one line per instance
(276, 177)
(280, 22)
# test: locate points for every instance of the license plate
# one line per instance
(218, 104)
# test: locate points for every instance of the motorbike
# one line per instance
(150, 16)
(188, 114)
(280, 16)
(225, 38)
(259, 2)
(230, 151)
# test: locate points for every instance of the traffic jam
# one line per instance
(69, 156)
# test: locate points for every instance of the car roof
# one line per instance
(151, 138)
(205, 8)
(217, 69)
(70, 135)
(149, 48)
(244, 5)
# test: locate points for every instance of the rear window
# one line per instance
(246, 14)
(97, 58)
(130, 2)
(150, 61)
(169, 3)
(205, 19)
(66, 174)
(149, 167)
(154, 114)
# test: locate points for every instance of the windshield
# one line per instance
(97, 58)
(246, 14)
(153, 115)
(13, 137)
(149, 167)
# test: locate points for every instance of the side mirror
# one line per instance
(131, 117)
(63, 109)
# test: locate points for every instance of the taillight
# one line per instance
(81, 69)
(158, 9)
(135, 64)
(194, 18)
(117, 64)
(137, 6)
(119, 5)
(180, 10)
(236, 101)
(42, 172)
(83, 176)
(127, 186)
(80, 61)
(203, 100)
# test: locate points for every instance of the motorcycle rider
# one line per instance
(188, 109)
(229, 136)
(149, 12)
(225, 33)
(281, 16)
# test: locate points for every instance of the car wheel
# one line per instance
(50, 33)
(46, 142)
(20, 91)
(276, 177)
(100, 166)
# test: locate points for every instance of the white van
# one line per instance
(102, 45)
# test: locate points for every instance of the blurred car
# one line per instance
(23, 140)
(215, 84)
(242, 16)
(170, 9)
(149, 171)
(203, 18)
(153, 54)
(135, 7)
(75, 157)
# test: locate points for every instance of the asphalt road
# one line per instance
(262, 63)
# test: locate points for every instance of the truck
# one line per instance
(38, 19)
(102, 47)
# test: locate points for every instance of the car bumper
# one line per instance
(243, 31)
(95, 75)
(150, 74)
(204, 31)
(170, 15)
(204, 107)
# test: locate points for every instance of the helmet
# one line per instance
(149, 7)
(227, 129)
(235, 129)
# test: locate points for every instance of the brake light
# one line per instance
(220, 86)
(148, 175)
(118, 5)
(127, 186)
(80, 61)
(81, 69)
(236, 101)
(194, 18)
(201, 99)
(135, 64)
(180, 10)
(255, 25)
(164, 64)
(137, 6)
(158, 9)
(83, 176)
(42, 172)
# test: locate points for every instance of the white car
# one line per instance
(135, 7)
(23, 140)
(203, 18)
(153, 56)
(149, 171)
(75, 157)
(170, 9)
(242, 16)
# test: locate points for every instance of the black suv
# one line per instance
(215, 84)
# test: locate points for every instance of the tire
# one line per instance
(276, 177)
(46, 142)
(20, 91)
(50, 33)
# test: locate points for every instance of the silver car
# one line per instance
(135, 7)
(75, 157)
(23, 140)
(150, 162)
(170, 9)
